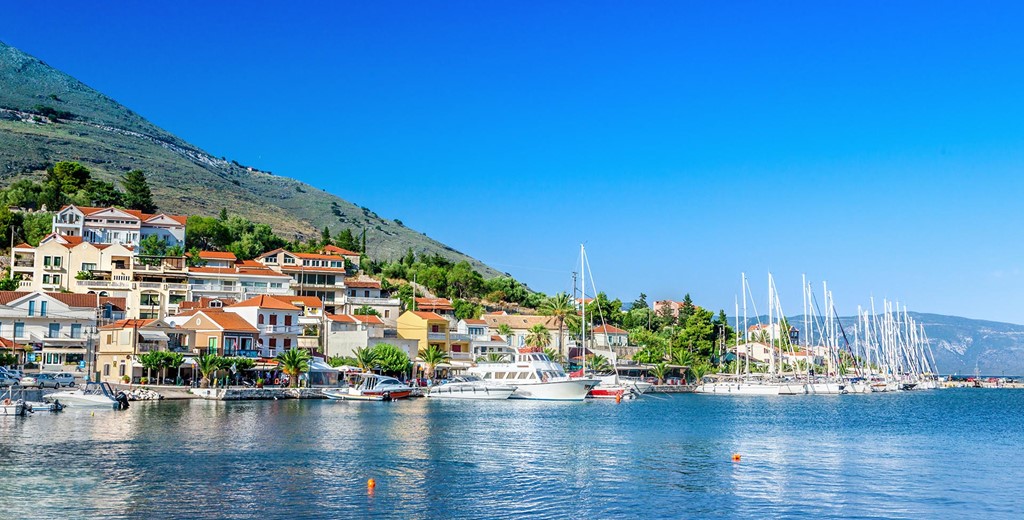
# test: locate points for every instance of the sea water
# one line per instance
(925, 454)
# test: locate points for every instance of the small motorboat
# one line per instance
(470, 387)
(11, 406)
(39, 406)
(371, 387)
(92, 395)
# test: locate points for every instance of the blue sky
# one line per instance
(877, 146)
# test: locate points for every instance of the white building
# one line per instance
(277, 322)
(118, 226)
(60, 327)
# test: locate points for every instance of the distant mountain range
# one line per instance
(111, 139)
(960, 345)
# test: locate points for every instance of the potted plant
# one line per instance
(125, 379)
(144, 380)
(259, 383)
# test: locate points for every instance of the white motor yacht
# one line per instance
(535, 377)
(92, 395)
(470, 387)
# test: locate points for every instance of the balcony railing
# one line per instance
(437, 336)
(249, 353)
(103, 284)
(24, 263)
(280, 329)
(363, 300)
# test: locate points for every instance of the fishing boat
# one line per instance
(371, 387)
(470, 387)
(92, 395)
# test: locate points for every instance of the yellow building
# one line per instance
(431, 329)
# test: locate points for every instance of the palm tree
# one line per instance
(495, 357)
(538, 336)
(660, 371)
(562, 309)
(554, 355)
(365, 358)
(505, 331)
(431, 357)
(698, 371)
(208, 365)
(294, 362)
(681, 357)
(599, 363)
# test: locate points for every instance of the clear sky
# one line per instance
(873, 145)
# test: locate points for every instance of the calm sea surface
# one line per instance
(947, 453)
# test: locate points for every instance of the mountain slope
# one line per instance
(110, 139)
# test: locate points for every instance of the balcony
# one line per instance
(362, 300)
(280, 329)
(103, 284)
(24, 263)
(247, 353)
(437, 336)
(161, 286)
(460, 356)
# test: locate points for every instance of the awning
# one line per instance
(189, 362)
(153, 335)
(319, 366)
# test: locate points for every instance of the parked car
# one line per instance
(17, 374)
(7, 380)
(65, 378)
(40, 381)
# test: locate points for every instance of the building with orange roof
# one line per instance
(122, 342)
(57, 326)
(430, 329)
(344, 333)
(610, 337)
(364, 291)
(277, 322)
(239, 280)
(223, 333)
(320, 275)
(118, 226)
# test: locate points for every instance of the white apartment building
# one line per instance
(60, 327)
(118, 226)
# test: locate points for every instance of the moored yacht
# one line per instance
(535, 377)
(729, 385)
(470, 387)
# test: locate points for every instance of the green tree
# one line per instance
(466, 310)
(152, 360)
(562, 309)
(294, 362)
(463, 281)
(660, 371)
(339, 361)
(137, 194)
(68, 176)
(494, 357)
(103, 194)
(538, 336)
(206, 233)
(391, 359)
(35, 226)
(365, 358)
(208, 365)
(171, 360)
(505, 331)
(9, 283)
(431, 357)
(365, 310)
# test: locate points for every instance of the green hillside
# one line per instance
(47, 116)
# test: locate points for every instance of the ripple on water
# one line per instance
(908, 455)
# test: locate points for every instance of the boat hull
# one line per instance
(74, 400)
(474, 392)
(737, 389)
(343, 394)
(572, 390)
(15, 408)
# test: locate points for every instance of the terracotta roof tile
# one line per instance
(264, 301)
(428, 315)
(305, 301)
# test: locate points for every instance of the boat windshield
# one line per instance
(466, 379)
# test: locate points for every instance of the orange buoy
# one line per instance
(735, 457)
(618, 397)
(371, 483)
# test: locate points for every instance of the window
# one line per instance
(287, 343)
(32, 306)
(366, 294)
(42, 308)
(150, 299)
(288, 321)
(246, 343)
(212, 345)
(276, 285)
(121, 370)
(110, 337)
(270, 260)
(273, 342)
(289, 260)
(56, 279)
(53, 331)
(106, 369)
(47, 261)
(88, 267)
(259, 319)
(76, 330)
(57, 261)
(434, 328)
(46, 279)
(387, 313)
(273, 319)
